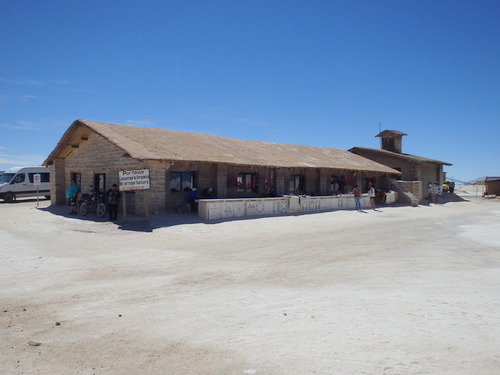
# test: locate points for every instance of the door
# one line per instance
(18, 184)
(100, 182)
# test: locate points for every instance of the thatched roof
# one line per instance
(162, 144)
(416, 159)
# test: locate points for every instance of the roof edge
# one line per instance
(402, 156)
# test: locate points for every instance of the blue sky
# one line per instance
(319, 73)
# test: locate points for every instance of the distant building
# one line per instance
(492, 186)
(417, 172)
(93, 153)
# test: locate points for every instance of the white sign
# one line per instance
(435, 189)
(37, 179)
(136, 179)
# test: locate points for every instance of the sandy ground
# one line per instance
(400, 290)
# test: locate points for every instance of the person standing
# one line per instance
(113, 201)
(372, 194)
(192, 200)
(357, 197)
(71, 195)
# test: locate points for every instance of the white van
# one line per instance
(21, 182)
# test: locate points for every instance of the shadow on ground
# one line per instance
(140, 224)
(133, 222)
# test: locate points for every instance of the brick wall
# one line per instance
(432, 173)
(58, 185)
(409, 170)
(414, 187)
(96, 155)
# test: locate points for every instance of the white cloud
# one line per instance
(7, 161)
(59, 82)
(35, 82)
(22, 82)
(21, 125)
(53, 122)
(29, 97)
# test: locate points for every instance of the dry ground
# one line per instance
(400, 290)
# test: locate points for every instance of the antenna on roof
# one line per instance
(379, 130)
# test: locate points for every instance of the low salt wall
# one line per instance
(213, 209)
(391, 197)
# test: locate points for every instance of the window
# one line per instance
(6, 177)
(247, 182)
(181, 181)
(296, 183)
(44, 177)
(77, 177)
(19, 178)
(336, 185)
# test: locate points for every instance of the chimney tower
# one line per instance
(391, 140)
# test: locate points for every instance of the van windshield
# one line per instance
(6, 177)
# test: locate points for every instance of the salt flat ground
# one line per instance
(401, 290)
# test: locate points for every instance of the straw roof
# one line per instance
(162, 144)
(417, 159)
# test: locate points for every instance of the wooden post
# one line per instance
(146, 203)
(124, 206)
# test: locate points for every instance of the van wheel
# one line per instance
(9, 197)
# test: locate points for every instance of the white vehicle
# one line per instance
(24, 182)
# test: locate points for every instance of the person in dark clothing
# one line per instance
(113, 201)
(191, 199)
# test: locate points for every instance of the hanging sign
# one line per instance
(37, 179)
(136, 179)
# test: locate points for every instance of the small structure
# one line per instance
(421, 178)
(492, 186)
(94, 153)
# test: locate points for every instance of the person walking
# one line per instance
(357, 197)
(113, 201)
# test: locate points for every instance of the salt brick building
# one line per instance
(93, 153)
(416, 172)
